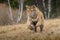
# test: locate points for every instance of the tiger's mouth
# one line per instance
(33, 17)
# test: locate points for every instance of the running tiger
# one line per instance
(35, 18)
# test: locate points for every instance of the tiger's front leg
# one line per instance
(35, 28)
(31, 27)
(41, 27)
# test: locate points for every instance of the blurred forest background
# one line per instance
(50, 8)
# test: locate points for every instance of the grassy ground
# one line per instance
(21, 32)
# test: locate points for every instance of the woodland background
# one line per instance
(50, 9)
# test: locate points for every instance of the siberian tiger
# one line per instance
(35, 18)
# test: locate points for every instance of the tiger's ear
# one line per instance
(27, 6)
(34, 6)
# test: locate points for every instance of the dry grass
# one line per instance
(21, 32)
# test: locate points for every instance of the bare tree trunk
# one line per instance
(19, 12)
(21, 2)
(10, 12)
(49, 8)
(45, 9)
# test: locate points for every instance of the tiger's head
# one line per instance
(30, 8)
(32, 11)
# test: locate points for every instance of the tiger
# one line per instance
(35, 18)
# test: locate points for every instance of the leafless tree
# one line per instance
(21, 2)
(10, 12)
(49, 8)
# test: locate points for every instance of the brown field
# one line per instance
(21, 32)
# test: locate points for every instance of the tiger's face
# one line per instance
(30, 8)
(32, 11)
